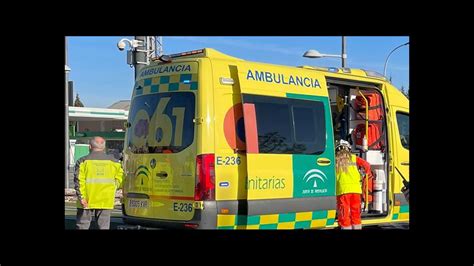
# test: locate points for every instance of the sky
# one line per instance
(102, 77)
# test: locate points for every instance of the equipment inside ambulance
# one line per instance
(365, 127)
(340, 117)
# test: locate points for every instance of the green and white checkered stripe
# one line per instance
(176, 82)
(401, 212)
(299, 220)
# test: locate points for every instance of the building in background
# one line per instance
(87, 122)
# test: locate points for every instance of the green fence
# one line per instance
(80, 150)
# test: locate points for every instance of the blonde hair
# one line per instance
(343, 159)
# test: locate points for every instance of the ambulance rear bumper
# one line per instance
(205, 218)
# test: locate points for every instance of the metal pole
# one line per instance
(160, 46)
(141, 52)
(152, 44)
(386, 60)
(66, 115)
(344, 55)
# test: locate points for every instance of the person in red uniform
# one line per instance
(348, 186)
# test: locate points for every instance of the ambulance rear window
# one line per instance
(161, 122)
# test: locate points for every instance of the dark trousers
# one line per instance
(84, 218)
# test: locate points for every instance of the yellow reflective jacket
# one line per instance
(96, 178)
(349, 182)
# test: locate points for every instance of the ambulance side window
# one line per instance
(273, 125)
(289, 126)
(309, 125)
(403, 121)
(305, 124)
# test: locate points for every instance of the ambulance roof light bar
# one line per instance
(329, 69)
(187, 53)
(165, 58)
(374, 74)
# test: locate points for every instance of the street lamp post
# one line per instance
(344, 55)
(66, 116)
(315, 54)
(141, 54)
(133, 55)
(141, 50)
(386, 60)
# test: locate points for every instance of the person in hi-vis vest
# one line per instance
(96, 178)
(348, 186)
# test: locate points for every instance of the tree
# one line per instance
(77, 102)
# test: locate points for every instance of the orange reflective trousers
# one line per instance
(348, 207)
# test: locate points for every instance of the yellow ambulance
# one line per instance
(217, 142)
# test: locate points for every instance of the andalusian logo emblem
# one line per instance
(315, 175)
(142, 171)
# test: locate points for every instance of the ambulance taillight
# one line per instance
(205, 178)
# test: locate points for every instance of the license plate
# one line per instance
(138, 203)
